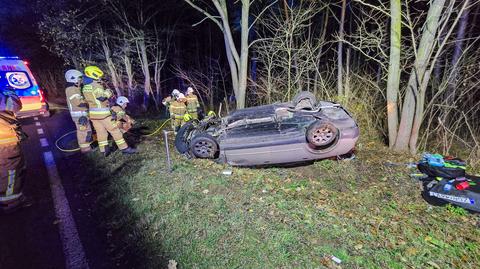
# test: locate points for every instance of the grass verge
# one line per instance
(365, 213)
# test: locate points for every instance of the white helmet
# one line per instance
(73, 76)
(175, 92)
(180, 96)
(121, 100)
(189, 90)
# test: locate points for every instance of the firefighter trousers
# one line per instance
(103, 128)
(177, 122)
(84, 135)
(12, 173)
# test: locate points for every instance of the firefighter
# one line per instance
(124, 121)
(12, 165)
(178, 109)
(99, 112)
(167, 100)
(78, 109)
(192, 103)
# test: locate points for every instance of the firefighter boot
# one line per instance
(129, 150)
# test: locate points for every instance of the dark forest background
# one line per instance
(408, 70)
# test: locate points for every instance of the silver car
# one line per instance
(298, 131)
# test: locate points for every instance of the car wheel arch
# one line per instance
(322, 135)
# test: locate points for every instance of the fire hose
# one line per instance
(78, 148)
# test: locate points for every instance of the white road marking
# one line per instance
(35, 118)
(37, 123)
(72, 246)
(44, 142)
(40, 131)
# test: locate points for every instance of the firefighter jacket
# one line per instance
(192, 103)
(123, 121)
(76, 102)
(97, 96)
(120, 114)
(177, 109)
(10, 131)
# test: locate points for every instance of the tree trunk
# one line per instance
(112, 70)
(129, 71)
(243, 72)
(340, 50)
(347, 74)
(320, 51)
(146, 73)
(238, 63)
(393, 83)
(232, 65)
(415, 92)
(457, 53)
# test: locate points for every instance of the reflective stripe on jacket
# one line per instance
(78, 114)
(97, 108)
(192, 103)
(177, 108)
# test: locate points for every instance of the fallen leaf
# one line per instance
(358, 247)
(172, 264)
(411, 251)
(434, 265)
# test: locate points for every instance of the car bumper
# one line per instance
(29, 112)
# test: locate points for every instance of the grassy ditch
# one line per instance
(365, 213)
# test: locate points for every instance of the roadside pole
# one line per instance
(167, 148)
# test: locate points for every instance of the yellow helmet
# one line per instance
(93, 72)
(187, 117)
(211, 114)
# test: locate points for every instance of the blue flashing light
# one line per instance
(34, 91)
(9, 58)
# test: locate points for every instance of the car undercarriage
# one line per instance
(280, 133)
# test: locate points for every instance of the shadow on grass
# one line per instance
(127, 246)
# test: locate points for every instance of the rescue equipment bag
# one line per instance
(435, 165)
(454, 192)
(447, 182)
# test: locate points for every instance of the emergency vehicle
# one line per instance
(14, 73)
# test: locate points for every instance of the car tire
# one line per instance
(322, 134)
(204, 146)
(181, 139)
(302, 96)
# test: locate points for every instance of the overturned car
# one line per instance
(298, 131)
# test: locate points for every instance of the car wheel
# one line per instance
(204, 146)
(322, 134)
(301, 97)
(181, 140)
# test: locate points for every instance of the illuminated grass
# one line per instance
(367, 214)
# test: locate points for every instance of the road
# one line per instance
(59, 229)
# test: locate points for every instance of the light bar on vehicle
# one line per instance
(10, 57)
